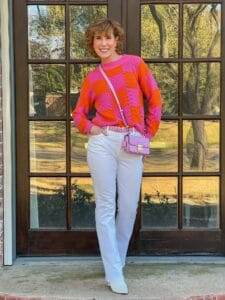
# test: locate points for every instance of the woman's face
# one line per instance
(104, 45)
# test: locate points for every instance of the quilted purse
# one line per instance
(131, 143)
(136, 144)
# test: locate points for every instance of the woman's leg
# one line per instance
(129, 180)
(103, 167)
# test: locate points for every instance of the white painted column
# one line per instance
(8, 129)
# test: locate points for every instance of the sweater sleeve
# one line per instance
(153, 97)
(82, 108)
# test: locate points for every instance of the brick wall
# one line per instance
(1, 165)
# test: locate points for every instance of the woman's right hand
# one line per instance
(95, 130)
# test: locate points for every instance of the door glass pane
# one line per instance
(46, 31)
(159, 30)
(78, 151)
(201, 145)
(166, 76)
(159, 202)
(202, 30)
(83, 203)
(77, 74)
(78, 141)
(201, 88)
(164, 149)
(47, 202)
(80, 18)
(47, 146)
(47, 90)
(201, 202)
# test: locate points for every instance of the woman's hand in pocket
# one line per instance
(95, 130)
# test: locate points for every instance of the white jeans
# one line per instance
(112, 169)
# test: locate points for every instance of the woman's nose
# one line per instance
(103, 41)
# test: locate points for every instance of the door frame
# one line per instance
(143, 241)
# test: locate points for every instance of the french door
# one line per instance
(182, 199)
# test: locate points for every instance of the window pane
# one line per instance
(159, 202)
(201, 202)
(83, 203)
(201, 145)
(77, 74)
(47, 146)
(47, 202)
(46, 31)
(167, 79)
(201, 88)
(80, 18)
(202, 30)
(164, 149)
(159, 30)
(78, 141)
(78, 151)
(47, 90)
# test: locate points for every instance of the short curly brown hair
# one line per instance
(105, 26)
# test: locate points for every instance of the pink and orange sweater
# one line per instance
(133, 83)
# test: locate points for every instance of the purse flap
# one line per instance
(138, 140)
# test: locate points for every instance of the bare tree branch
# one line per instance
(197, 12)
(162, 30)
(208, 97)
(216, 37)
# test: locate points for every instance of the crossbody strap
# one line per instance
(114, 94)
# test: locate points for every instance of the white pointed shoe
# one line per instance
(107, 282)
(119, 286)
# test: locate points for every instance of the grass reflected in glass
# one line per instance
(201, 202)
(164, 149)
(159, 202)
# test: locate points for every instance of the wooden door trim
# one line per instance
(22, 130)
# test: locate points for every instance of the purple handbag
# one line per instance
(131, 143)
(136, 144)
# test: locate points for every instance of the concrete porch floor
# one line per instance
(82, 278)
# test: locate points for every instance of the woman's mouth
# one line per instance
(103, 50)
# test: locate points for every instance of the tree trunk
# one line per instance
(200, 145)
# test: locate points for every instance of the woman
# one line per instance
(112, 169)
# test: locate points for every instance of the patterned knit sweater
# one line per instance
(134, 85)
